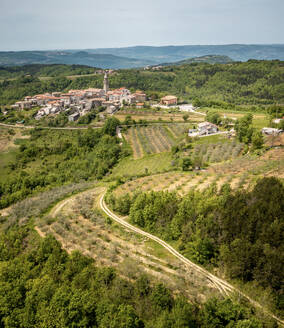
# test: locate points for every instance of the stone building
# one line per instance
(106, 83)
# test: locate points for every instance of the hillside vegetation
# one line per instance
(11, 58)
(67, 261)
(252, 83)
(51, 158)
(210, 59)
(44, 70)
(43, 286)
(238, 232)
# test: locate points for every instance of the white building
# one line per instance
(271, 131)
(73, 117)
(205, 128)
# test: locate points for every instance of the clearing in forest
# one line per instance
(8, 136)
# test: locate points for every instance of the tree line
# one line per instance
(43, 286)
(239, 232)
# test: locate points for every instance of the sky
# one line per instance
(81, 24)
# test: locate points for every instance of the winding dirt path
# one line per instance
(221, 284)
(48, 127)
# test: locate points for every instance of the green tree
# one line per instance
(186, 164)
(110, 126)
(213, 117)
(257, 140)
(244, 129)
(185, 117)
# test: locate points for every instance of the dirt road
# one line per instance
(222, 285)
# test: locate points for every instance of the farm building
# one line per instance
(207, 128)
(277, 120)
(193, 133)
(271, 131)
(139, 105)
(169, 100)
(140, 96)
(73, 117)
(204, 128)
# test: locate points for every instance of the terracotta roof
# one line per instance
(203, 124)
(169, 98)
(93, 90)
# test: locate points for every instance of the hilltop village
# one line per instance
(80, 102)
(77, 103)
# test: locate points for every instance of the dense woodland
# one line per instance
(50, 158)
(239, 232)
(44, 70)
(252, 83)
(42, 286)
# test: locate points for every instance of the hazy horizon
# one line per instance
(69, 24)
(144, 45)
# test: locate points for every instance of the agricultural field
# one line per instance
(239, 172)
(153, 139)
(149, 164)
(217, 152)
(159, 116)
(259, 120)
(78, 224)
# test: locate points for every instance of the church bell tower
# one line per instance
(106, 83)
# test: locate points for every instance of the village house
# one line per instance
(73, 117)
(277, 120)
(156, 68)
(271, 131)
(204, 128)
(169, 100)
(127, 100)
(81, 101)
(139, 105)
(140, 96)
(94, 93)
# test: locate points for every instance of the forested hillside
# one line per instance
(238, 232)
(252, 83)
(51, 158)
(11, 58)
(43, 286)
(44, 70)
(210, 59)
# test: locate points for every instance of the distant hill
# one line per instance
(211, 59)
(51, 70)
(166, 54)
(140, 56)
(13, 58)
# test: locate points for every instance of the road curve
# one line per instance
(48, 127)
(221, 284)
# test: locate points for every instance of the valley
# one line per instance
(186, 195)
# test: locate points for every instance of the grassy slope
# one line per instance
(154, 163)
